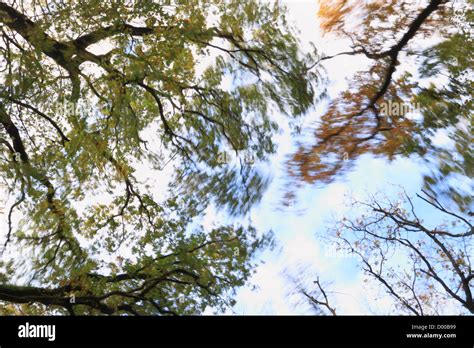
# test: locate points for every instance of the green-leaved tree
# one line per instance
(91, 92)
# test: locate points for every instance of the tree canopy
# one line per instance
(99, 99)
(90, 91)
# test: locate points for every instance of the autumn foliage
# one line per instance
(392, 36)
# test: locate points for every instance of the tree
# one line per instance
(424, 265)
(91, 90)
(439, 269)
(393, 109)
(318, 298)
